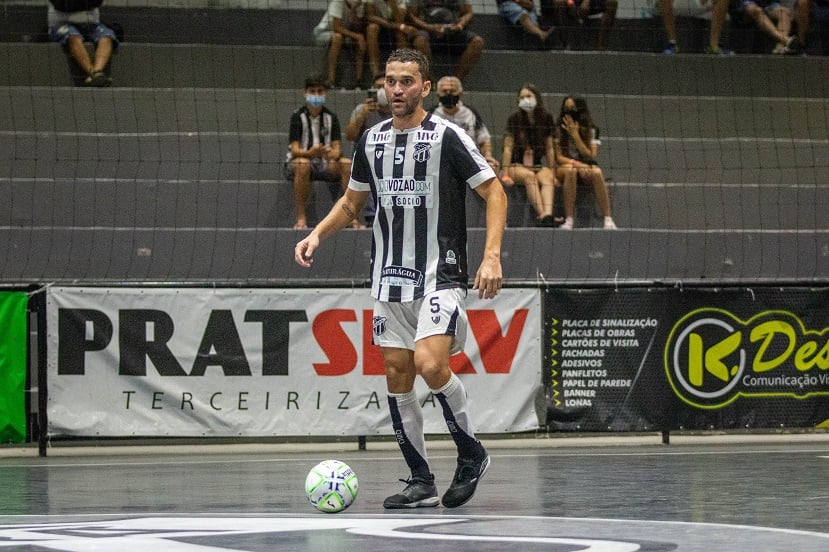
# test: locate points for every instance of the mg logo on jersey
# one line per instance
(422, 152)
(379, 137)
(427, 136)
(379, 325)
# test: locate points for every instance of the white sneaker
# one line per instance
(609, 224)
(567, 224)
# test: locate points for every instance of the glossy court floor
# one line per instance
(611, 494)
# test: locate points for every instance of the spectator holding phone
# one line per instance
(374, 109)
(576, 153)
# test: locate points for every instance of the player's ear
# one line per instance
(427, 88)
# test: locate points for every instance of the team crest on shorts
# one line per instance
(379, 325)
(422, 152)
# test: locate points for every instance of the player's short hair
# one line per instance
(408, 55)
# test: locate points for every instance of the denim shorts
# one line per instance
(512, 12)
(88, 31)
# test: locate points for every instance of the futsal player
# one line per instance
(417, 167)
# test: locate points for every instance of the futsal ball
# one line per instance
(331, 486)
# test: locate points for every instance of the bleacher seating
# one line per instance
(193, 128)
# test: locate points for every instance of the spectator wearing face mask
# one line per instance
(374, 109)
(528, 154)
(451, 107)
(576, 154)
(315, 147)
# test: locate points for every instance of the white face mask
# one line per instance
(527, 103)
(381, 97)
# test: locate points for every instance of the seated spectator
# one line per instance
(385, 26)
(521, 13)
(806, 12)
(769, 16)
(451, 107)
(314, 148)
(528, 143)
(718, 10)
(565, 12)
(343, 21)
(443, 23)
(71, 22)
(374, 109)
(576, 152)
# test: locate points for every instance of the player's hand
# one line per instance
(304, 251)
(488, 279)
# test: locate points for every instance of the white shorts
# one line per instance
(442, 312)
(685, 8)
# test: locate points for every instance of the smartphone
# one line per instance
(372, 93)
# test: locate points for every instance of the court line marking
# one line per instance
(92, 518)
(355, 456)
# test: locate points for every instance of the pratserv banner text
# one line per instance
(257, 362)
(645, 359)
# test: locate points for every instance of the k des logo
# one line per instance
(713, 357)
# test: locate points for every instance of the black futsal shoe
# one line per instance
(420, 492)
(467, 475)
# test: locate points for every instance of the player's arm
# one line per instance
(340, 216)
(489, 277)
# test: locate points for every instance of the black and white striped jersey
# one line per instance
(418, 178)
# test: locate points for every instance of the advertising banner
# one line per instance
(653, 359)
(264, 362)
(13, 335)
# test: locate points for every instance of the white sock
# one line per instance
(407, 421)
(452, 398)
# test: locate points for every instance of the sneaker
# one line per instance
(545, 222)
(609, 224)
(671, 49)
(793, 46)
(567, 224)
(719, 51)
(420, 492)
(467, 475)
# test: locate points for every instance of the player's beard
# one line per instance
(408, 108)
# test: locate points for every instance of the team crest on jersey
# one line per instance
(450, 258)
(379, 325)
(422, 152)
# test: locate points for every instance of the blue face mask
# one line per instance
(315, 101)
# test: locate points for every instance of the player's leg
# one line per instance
(442, 327)
(394, 332)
